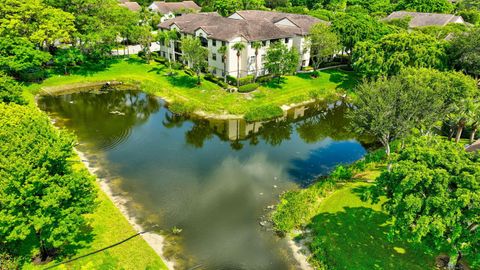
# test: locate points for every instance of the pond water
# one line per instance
(213, 179)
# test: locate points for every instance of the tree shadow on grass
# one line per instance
(182, 81)
(90, 68)
(344, 80)
(276, 83)
(28, 250)
(356, 238)
(157, 70)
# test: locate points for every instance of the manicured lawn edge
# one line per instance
(208, 99)
(109, 226)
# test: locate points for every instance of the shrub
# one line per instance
(216, 80)
(298, 207)
(10, 90)
(231, 80)
(245, 80)
(160, 59)
(179, 107)
(190, 72)
(177, 65)
(248, 88)
(342, 173)
(316, 93)
(8, 262)
(264, 79)
(263, 113)
(242, 81)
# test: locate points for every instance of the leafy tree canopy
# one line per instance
(280, 60)
(438, 6)
(396, 51)
(39, 23)
(356, 27)
(10, 90)
(19, 55)
(465, 52)
(41, 196)
(433, 196)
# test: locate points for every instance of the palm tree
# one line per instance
(239, 48)
(256, 45)
(223, 52)
(167, 37)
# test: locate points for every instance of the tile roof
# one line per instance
(425, 19)
(133, 6)
(474, 147)
(303, 22)
(260, 28)
(175, 7)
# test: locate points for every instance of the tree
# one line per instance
(145, 38)
(10, 90)
(465, 52)
(39, 23)
(223, 52)
(166, 37)
(430, 6)
(354, 28)
(280, 60)
(432, 196)
(68, 57)
(385, 109)
(238, 47)
(19, 56)
(474, 117)
(256, 45)
(42, 197)
(195, 54)
(450, 95)
(394, 52)
(322, 44)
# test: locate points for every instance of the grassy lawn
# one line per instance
(109, 226)
(208, 97)
(354, 235)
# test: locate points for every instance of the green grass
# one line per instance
(109, 226)
(207, 97)
(354, 235)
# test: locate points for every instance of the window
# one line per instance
(224, 43)
(264, 43)
(287, 40)
(223, 59)
(214, 56)
(214, 71)
(304, 63)
(214, 43)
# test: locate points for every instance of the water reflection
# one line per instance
(213, 179)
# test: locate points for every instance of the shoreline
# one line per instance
(154, 240)
(74, 88)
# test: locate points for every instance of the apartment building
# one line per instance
(243, 26)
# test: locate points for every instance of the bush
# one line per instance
(177, 65)
(216, 80)
(264, 79)
(316, 93)
(159, 59)
(342, 173)
(297, 207)
(179, 107)
(8, 262)
(263, 113)
(245, 80)
(190, 72)
(231, 80)
(242, 81)
(10, 90)
(248, 88)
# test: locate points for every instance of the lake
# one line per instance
(212, 179)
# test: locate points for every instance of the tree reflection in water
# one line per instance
(313, 123)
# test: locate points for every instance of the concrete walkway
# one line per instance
(135, 49)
